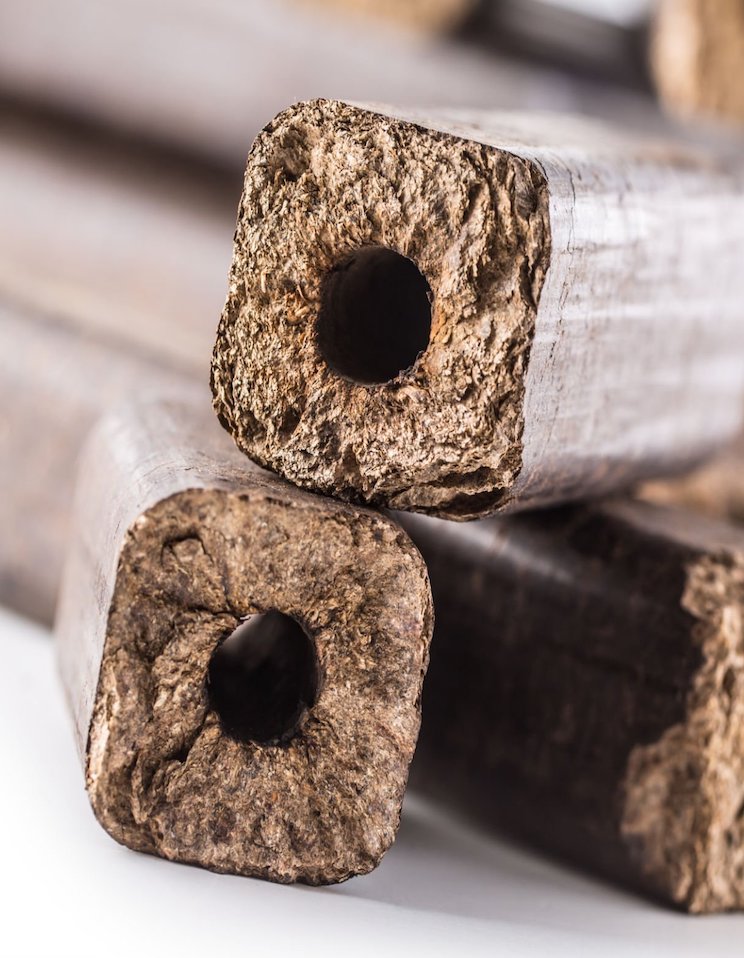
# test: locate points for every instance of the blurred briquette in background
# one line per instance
(125, 127)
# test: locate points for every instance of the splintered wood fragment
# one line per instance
(277, 748)
(461, 314)
(698, 57)
(587, 691)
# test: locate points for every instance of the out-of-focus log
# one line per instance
(128, 243)
(460, 313)
(716, 489)
(586, 690)
(698, 58)
(208, 74)
(55, 380)
(112, 275)
(426, 16)
(278, 746)
(597, 40)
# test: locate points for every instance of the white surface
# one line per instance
(67, 889)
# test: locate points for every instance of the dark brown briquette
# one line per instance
(191, 571)
(586, 690)
(461, 313)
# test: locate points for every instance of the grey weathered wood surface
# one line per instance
(177, 539)
(586, 306)
(117, 240)
(112, 275)
(54, 383)
(585, 691)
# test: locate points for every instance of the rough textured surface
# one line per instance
(178, 541)
(328, 179)
(586, 690)
(683, 815)
(698, 57)
(558, 366)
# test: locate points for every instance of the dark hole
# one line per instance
(375, 315)
(263, 678)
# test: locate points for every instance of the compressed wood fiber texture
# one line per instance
(461, 315)
(698, 57)
(586, 690)
(178, 540)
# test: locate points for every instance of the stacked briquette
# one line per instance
(455, 315)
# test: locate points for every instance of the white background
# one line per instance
(68, 889)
